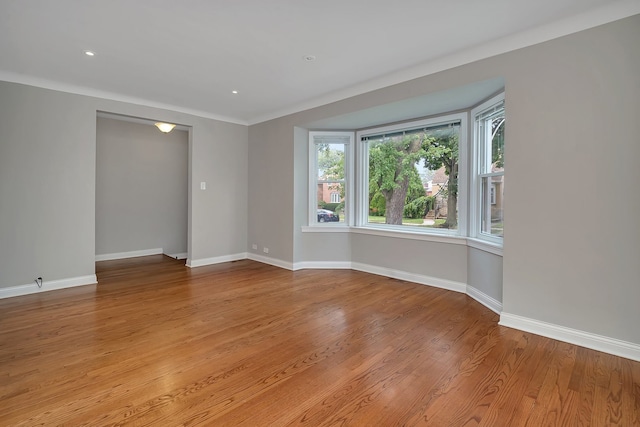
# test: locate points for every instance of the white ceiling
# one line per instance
(189, 55)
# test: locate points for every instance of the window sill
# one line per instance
(482, 245)
(402, 234)
(326, 229)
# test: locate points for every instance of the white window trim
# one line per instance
(362, 179)
(492, 248)
(475, 214)
(326, 227)
(313, 182)
(401, 233)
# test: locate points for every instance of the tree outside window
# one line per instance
(400, 168)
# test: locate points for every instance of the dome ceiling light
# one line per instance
(165, 127)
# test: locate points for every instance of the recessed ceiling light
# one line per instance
(89, 53)
(235, 92)
(309, 58)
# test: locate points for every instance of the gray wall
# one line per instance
(484, 272)
(48, 183)
(572, 238)
(573, 112)
(141, 188)
(439, 260)
(271, 178)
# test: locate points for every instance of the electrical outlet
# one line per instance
(254, 246)
(265, 250)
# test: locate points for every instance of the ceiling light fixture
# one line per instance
(235, 92)
(165, 127)
(309, 58)
(89, 53)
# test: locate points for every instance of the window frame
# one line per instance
(479, 155)
(356, 197)
(313, 179)
(362, 177)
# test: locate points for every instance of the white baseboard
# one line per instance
(573, 336)
(192, 263)
(381, 271)
(484, 299)
(271, 261)
(130, 254)
(181, 255)
(411, 277)
(52, 285)
(322, 265)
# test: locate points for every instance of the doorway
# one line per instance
(141, 189)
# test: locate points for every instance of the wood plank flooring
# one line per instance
(247, 344)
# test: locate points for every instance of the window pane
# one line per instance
(413, 177)
(492, 201)
(497, 124)
(330, 175)
(491, 142)
(489, 171)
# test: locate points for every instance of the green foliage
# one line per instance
(430, 204)
(443, 150)
(331, 167)
(497, 142)
(415, 208)
(377, 205)
(383, 160)
(331, 206)
(416, 189)
(330, 162)
(418, 207)
(393, 175)
(391, 160)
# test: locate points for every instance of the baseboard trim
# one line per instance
(192, 263)
(52, 285)
(322, 265)
(271, 261)
(181, 255)
(484, 299)
(573, 336)
(130, 254)
(411, 277)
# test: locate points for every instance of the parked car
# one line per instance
(325, 215)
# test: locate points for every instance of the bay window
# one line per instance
(430, 177)
(488, 170)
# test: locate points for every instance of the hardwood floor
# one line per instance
(243, 343)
